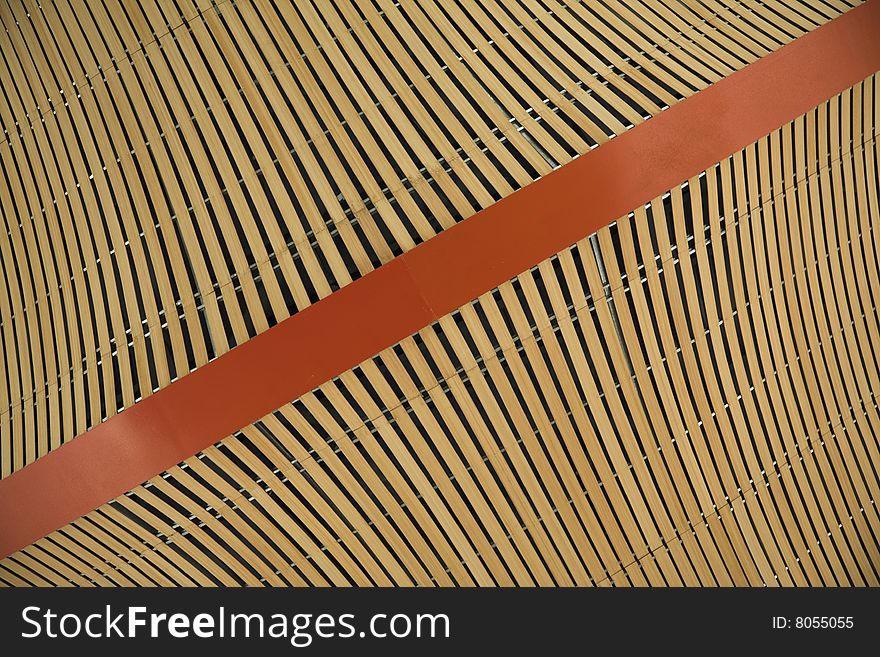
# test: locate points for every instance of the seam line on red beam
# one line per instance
(426, 283)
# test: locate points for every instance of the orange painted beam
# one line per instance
(433, 279)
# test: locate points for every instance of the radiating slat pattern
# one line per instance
(178, 175)
(686, 397)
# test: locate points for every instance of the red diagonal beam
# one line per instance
(433, 279)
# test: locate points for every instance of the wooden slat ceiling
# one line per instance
(176, 177)
(687, 396)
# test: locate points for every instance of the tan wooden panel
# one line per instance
(686, 397)
(176, 177)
